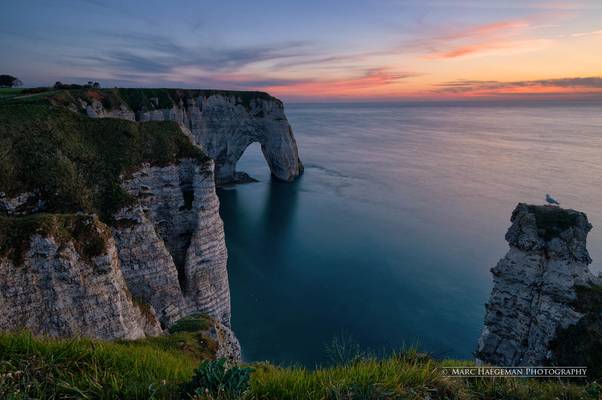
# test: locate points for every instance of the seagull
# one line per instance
(551, 200)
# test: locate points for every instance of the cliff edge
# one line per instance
(544, 300)
(109, 228)
(223, 123)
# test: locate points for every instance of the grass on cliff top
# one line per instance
(84, 231)
(553, 220)
(75, 162)
(187, 337)
(78, 368)
(137, 99)
(85, 369)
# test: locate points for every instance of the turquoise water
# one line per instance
(389, 236)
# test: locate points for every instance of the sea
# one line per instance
(387, 240)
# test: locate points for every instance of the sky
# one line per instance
(328, 50)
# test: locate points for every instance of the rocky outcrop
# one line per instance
(21, 204)
(161, 256)
(228, 346)
(224, 124)
(95, 109)
(171, 244)
(56, 290)
(537, 288)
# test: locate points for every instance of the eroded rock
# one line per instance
(536, 285)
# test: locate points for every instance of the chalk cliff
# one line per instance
(542, 289)
(172, 247)
(113, 231)
(57, 287)
(223, 123)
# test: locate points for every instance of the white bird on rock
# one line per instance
(551, 200)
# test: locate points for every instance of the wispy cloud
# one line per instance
(503, 5)
(505, 36)
(582, 34)
(587, 84)
(161, 55)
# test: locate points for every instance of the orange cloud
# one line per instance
(372, 82)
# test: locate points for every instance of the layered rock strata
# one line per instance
(224, 124)
(171, 244)
(162, 255)
(56, 290)
(538, 286)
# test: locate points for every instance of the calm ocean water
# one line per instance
(389, 236)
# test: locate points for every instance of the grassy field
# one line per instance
(155, 369)
(5, 92)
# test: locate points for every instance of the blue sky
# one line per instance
(311, 49)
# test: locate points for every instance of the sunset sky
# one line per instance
(313, 50)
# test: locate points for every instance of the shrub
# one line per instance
(216, 380)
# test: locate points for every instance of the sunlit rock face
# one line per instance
(537, 287)
(224, 124)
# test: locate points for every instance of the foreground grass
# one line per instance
(406, 376)
(81, 369)
(155, 368)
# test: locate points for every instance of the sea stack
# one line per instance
(544, 296)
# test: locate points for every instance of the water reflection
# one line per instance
(278, 215)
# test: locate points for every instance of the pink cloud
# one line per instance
(478, 39)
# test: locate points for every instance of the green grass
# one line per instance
(80, 369)
(137, 99)
(9, 92)
(187, 337)
(76, 162)
(156, 367)
(191, 323)
(406, 376)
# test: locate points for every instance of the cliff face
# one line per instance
(171, 243)
(538, 285)
(55, 289)
(157, 256)
(223, 123)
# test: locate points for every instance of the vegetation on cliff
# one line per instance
(581, 344)
(161, 368)
(136, 99)
(74, 164)
(87, 234)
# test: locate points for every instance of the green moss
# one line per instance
(188, 336)
(87, 234)
(76, 162)
(192, 323)
(551, 221)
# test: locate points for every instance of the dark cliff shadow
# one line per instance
(279, 212)
(260, 232)
(236, 224)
